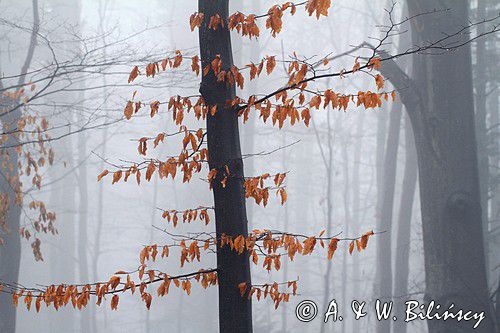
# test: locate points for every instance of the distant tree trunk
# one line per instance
(63, 255)
(235, 312)
(94, 261)
(494, 234)
(481, 135)
(328, 163)
(248, 131)
(301, 210)
(402, 253)
(448, 169)
(379, 167)
(83, 223)
(384, 220)
(96, 253)
(83, 205)
(347, 222)
(356, 205)
(284, 310)
(493, 139)
(151, 238)
(10, 249)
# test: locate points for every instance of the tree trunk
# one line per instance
(356, 207)
(284, 309)
(328, 162)
(402, 254)
(347, 222)
(384, 221)
(494, 234)
(10, 249)
(249, 130)
(235, 312)
(482, 142)
(82, 225)
(10, 215)
(63, 254)
(448, 169)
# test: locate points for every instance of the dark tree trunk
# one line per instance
(235, 312)
(448, 169)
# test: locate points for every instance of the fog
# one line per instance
(342, 169)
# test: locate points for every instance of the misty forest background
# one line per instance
(341, 168)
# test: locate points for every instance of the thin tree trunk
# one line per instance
(96, 253)
(480, 112)
(83, 223)
(347, 222)
(250, 126)
(448, 169)
(102, 9)
(284, 310)
(151, 238)
(63, 256)
(83, 206)
(235, 311)
(379, 164)
(494, 234)
(328, 162)
(402, 253)
(384, 222)
(356, 204)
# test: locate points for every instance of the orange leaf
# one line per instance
(351, 247)
(116, 176)
(102, 174)
(133, 74)
(114, 302)
(243, 287)
(129, 110)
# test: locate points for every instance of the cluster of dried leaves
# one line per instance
(265, 243)
(246, 25)
(24, 153)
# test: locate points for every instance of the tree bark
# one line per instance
(235, 311)
(448, 169)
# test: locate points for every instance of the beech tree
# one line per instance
(212, 151)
